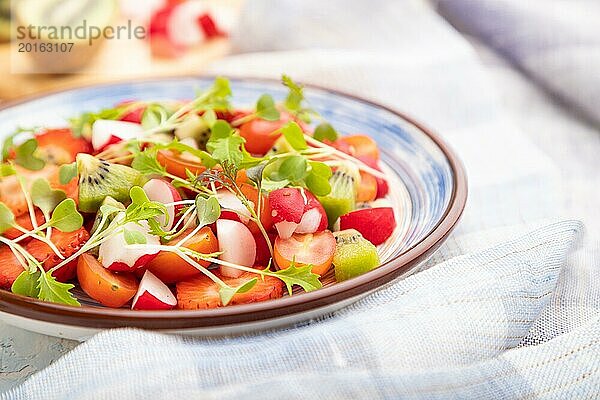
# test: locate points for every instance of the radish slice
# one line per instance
(230, 201)
(114, 254)
(106, 131)
(153, 294)
(237, 244)
(164, 192)
(285, 229)
(310, 222)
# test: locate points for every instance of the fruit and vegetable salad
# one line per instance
(189, 204)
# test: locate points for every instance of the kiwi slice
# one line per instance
(280, 146)
(99, 178)
(354, 255)
(341, 199)
(196, 128)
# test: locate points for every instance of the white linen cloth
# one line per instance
(515, 320)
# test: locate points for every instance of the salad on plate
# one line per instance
(189, 204)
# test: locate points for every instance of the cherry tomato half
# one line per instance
(104, 286)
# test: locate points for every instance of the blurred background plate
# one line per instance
(428, 190)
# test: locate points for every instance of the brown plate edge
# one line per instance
(99, 317)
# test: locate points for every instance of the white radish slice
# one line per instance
(310, 221)
(285, 229)
(105, 131)
(237, 244)
(163, 192)
(230, 201)
(114, 254)
(153, 294)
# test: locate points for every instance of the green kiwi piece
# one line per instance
(281, 146)
(341, 199)
(354, 255)
(194, 127)
(99, 179)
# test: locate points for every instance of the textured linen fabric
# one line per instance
(439, 333)
(515, 320)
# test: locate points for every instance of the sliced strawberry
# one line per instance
(59, 146)
(12, 195)
(68, 243)
(203, 293)
(24, 220)
(10, 268)
(375, 224)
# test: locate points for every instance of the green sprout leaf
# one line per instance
(293, 168)
(52, 290)
(227, 292)
(220, 130)
(317, 179)
(266, 109)
(255, 173)
(324, 131)
(7, 170)
(301, 276)
(295, 96)
(227, 150)
(141, 208)
(26, 284)
(294, 136)
(154, 115)
(146, 163)
(44, 197)
(7, 218)
(25, 156)
(133, 237)
(67, 172)
(208, 210)
(65, 217)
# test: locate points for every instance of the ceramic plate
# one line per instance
(428, 191)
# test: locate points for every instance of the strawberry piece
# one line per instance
(12, 195)
(202, 293)
(68, 243)
(24, 220)
(375, 224)
(10, 268)
(59, 146)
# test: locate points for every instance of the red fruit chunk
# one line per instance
(10, 268)
(24, 220)
(375, 224)
(202, 293)
(59, 146)
(68, 243)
